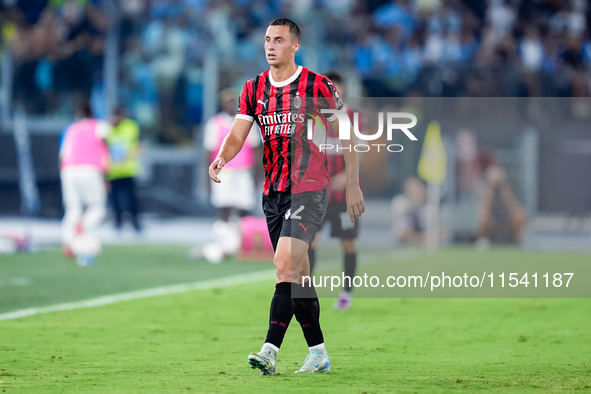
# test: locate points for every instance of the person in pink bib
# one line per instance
(84, 159)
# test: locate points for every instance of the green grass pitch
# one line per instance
(198, 341)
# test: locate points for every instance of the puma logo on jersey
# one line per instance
(305, 228)
(263, 102)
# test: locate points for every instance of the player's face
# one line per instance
(280, 45)
(229, 106)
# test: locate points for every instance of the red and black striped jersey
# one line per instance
(291, 161)
(335, 159)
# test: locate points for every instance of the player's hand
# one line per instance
(215, 168)
(355, 204)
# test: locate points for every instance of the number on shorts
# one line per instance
(295, 214)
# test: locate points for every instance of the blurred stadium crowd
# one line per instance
(389, 48)
(57, 46)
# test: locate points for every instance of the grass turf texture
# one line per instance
(54, 279)
(199, 341)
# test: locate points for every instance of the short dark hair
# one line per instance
(120, 111)
(335, 77)
(83, 109)
(294, 29)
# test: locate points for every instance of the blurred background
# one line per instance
(166, 60)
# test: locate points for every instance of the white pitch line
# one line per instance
(146, 293)
(179, 288)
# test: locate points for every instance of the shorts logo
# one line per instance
(305, 228)
(288, 214)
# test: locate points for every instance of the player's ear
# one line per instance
(296, 46)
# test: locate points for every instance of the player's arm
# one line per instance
(230, 146)
(354, 196)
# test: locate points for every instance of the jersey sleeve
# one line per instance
(329, 97)
(245, 103)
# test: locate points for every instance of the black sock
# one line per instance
(307, 313)
(350, 265)
(312, 259)
(282, 308)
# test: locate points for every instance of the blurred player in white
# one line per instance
(84, 160)
(236, 194)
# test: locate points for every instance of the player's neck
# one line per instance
(283, 72)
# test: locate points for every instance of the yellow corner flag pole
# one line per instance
(432, 165)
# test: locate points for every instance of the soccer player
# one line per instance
(295, 192)
(336, 213)
(84, 160)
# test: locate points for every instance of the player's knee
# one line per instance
(283, 268)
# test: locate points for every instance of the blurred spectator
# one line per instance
(412, 58)
(57, 45)
(531, 49)
(443, 48)
(393, 46)
(31, 10)
(570, 19)
(80, 56)
(501, 15)
(467, 167)
(138, 88)
(444, 18)
(502, 217)
(396, 13)
(132, 13)
(409, 215)
(551, 59)
(123, 144)
(165, 45)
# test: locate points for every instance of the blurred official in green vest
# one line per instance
(123, 143)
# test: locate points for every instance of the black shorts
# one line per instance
(340, 221)
(294, 215)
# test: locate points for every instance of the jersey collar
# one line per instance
(287, 81)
